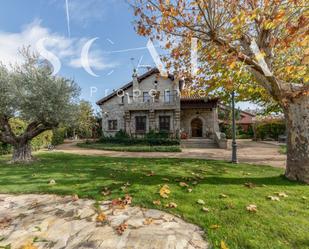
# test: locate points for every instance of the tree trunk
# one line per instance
(22, 152)
(297, 121)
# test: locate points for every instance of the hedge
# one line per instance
(269, 129)
(150, 138)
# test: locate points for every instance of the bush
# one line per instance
(270, 129)
(151, 139)
(58, 136)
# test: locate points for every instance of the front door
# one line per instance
(197, 127)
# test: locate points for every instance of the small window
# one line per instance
(167, 96)
(140, 123)
(112, 125)
(146, 97)
(164, 123)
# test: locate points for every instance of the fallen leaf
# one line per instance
(215, 226)
(106, 192)
(205, 209)
(165, 191)
(273, 198)
(183, 184)
(75, 197)
(101, 217)
(200, 201)
(5, 222)
(195, 183)
(190, 190)
(223, 196)
(52, 182)
(148, 221)
(223, 245)
(121, 228)
(281, 194)
(157, 202)
(151, 173)
(252, 208)
(29, 246)
(171, 205)
(249, 185)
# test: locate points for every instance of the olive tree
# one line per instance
(29, 91)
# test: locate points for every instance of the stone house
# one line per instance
(151, 102)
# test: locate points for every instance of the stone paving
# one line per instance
(50, 221)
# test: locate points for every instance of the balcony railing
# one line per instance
(148, 102)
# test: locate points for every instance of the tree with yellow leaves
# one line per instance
(259, 47)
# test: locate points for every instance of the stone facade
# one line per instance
(153, 102)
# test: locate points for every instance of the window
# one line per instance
(167, 96)
(146, 97)
(164, 123)
(112, 125)
(140, 123)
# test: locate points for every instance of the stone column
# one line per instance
(127, 122)
(177, 123)
(152, 120)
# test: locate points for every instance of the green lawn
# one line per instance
(131, 148)
(276, 224)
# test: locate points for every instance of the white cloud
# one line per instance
(66, 49)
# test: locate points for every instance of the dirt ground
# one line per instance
(263, 153)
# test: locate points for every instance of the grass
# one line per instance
(131, 148)
(283, 149)
(276, 224)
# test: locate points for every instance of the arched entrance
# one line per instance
(196, 127)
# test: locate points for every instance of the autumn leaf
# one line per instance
(157, 202)
(171, 205)
(273, 198)
(223, 245)
(249, 185)
(148, 221)
(121, 228)
(200, 201)
(75, 197)
(183, 184)
(165, 191)
(252, 208)
(205, 209)
(151, 173)
(101, 217)
(281, 194)
(29, 246)
(214, 226)
(52, 182)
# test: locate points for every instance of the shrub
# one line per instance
(270, 129)
(58, 136)
(151, 139)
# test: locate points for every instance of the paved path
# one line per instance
(262, 153)
(50, 221)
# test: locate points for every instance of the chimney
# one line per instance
(135, 81)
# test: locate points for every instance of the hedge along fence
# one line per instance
(18, 126)
(269, 129)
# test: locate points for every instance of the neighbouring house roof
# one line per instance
(224, 107)
(130, 84)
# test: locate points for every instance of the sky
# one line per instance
(67, 30)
